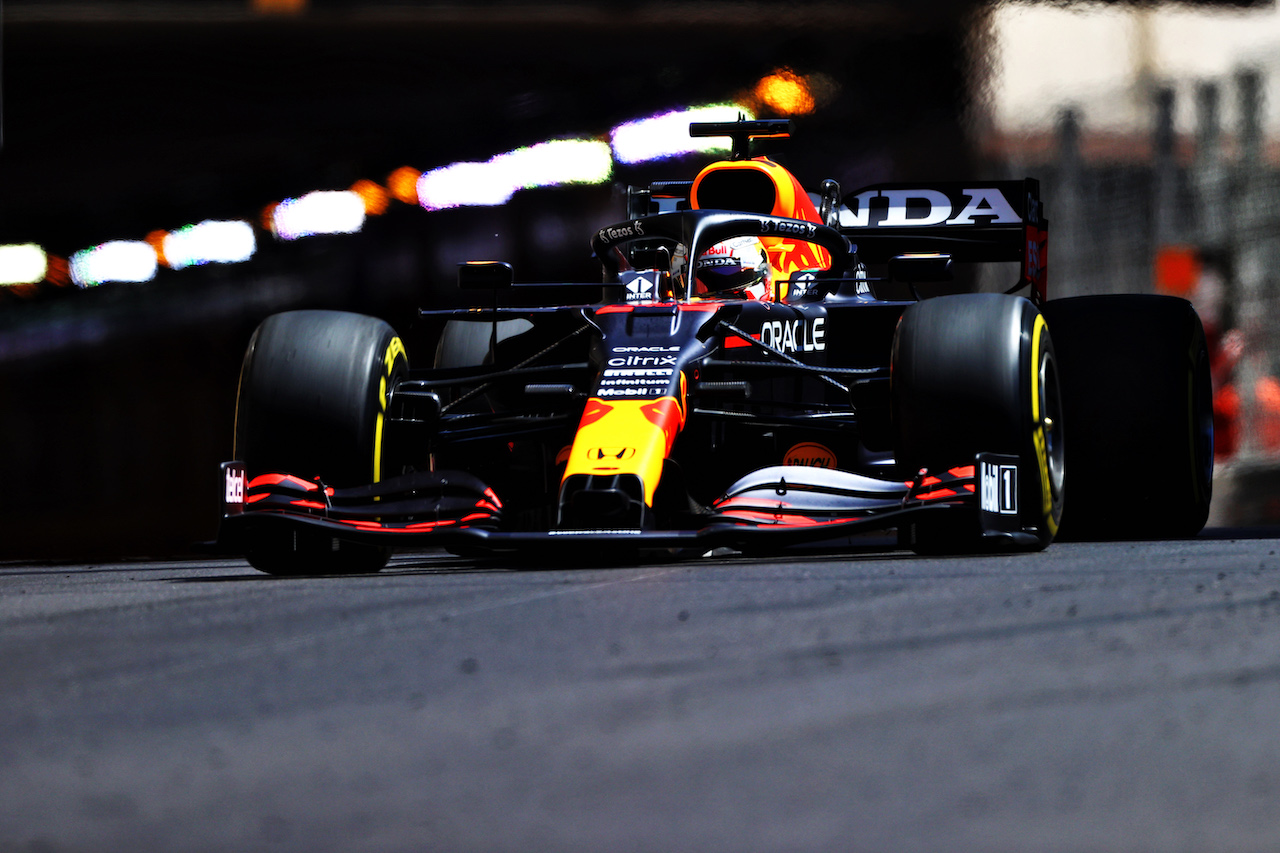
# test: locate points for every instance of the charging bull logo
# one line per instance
(792, 256)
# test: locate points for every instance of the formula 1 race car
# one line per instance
(761, 368)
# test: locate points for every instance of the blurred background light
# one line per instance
(209, 242)
(267, 218)
(279, 7)
(667, 135)
(557, 163)
(118, 260)
(461, 184)
(786, 92)
(319, 212)
(59, 273)
(24, 263)
(493, 182)
(375, 198)
(156, 240)
(403, 184)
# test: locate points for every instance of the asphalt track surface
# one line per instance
(1092, 697)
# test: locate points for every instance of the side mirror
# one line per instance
(830, 201)
(485, 275)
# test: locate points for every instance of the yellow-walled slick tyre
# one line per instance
(977, 373)
(312, 402)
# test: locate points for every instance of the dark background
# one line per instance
(123, 118)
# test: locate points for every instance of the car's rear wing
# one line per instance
(978, 221)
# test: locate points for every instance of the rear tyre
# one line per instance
(464, 344)
(313, 395)
(1136, 386)
(975, 373)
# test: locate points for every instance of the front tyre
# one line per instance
(314, 388)
(975, 373)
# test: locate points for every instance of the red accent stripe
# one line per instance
(680, 306)
(744, 501)
(738, 341)
(936, 494)
(378, 525)
(277, 479)
(667, 416)
(785, 519)
(427, 525)
(594, 411)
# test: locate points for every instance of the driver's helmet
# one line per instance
(737, 267)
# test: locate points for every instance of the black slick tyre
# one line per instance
(464, 344)
(1136, 388)
(312, 402)
(976, 373)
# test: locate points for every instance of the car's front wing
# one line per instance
(769, 509)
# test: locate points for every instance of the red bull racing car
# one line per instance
(762, 367)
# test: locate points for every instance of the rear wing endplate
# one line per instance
(973, 221)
